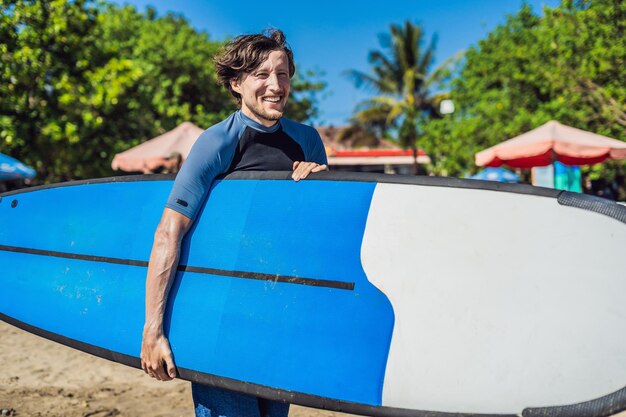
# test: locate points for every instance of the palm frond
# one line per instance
(363, 80)
(428, 56)
(395, 112)
(443, 70)
(381, 104)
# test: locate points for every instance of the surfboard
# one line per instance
(370, 294)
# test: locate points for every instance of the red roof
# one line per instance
(374, 152)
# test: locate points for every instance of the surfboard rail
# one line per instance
(583, 201)
(601, 407)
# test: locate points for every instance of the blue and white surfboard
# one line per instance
(370, 294)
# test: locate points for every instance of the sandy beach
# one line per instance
(43, 378)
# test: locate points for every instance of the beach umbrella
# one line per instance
(12, 169)
(496, 174)
(154, 153)
(552, 142)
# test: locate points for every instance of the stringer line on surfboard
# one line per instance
(187, 268)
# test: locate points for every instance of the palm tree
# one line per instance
(402, 83)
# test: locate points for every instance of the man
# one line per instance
(257, 70)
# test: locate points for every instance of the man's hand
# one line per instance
(301, 170)
(156, 357)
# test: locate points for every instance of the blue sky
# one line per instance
(335, 36)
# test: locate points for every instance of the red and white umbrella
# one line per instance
(551, 142)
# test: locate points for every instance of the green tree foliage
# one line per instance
(403, 83)
(177, 76)
(306, 86)
(82, 80)
(569, 65)
(45, 49)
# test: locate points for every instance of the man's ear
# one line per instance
(235, 85)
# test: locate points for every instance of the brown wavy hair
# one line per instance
(246, 53)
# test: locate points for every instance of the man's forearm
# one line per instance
(161, 272)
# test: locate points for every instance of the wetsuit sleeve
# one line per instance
(210, 156)
(317, 150)
(309, 140)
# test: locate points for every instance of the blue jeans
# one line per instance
(217, 402)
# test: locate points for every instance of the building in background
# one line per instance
(381, 156)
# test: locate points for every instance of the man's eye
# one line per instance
(262, 75)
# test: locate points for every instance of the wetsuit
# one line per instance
(239, 144)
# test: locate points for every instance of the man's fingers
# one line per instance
(169, 364)
(306, 170)
(159, 372)
(157, 359)
(148, 369)
(171, 370)
(298, 170)
(303, 169)
(163, 376)
(163, 370)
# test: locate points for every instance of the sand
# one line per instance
(44, 378)
(40, 378)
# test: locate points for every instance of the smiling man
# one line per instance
(257, 70)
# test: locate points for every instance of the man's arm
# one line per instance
(156, 355)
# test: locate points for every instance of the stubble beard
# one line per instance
(259, 112)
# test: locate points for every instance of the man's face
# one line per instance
(264, 91)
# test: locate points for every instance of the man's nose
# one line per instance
(273, 82)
